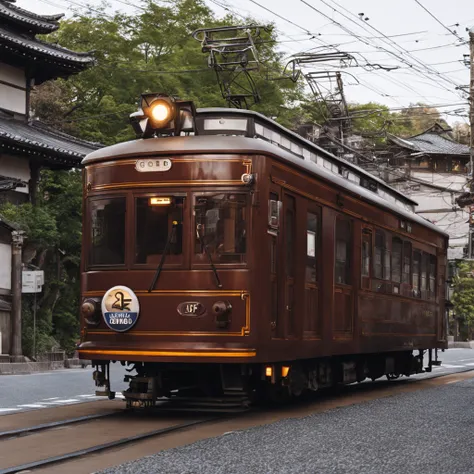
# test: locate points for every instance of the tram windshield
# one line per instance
(107, 231)
(222, 222)
(154, 222)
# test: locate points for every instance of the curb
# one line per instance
(461, 345)
(18, 368)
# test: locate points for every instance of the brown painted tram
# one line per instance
(226, 255)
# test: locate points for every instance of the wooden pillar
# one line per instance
(33, 183)
(17, 245)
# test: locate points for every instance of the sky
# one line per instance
(425, 40)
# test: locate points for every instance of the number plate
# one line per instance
(145, 165)
(191, 308)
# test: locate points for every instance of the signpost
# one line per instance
(32, 282)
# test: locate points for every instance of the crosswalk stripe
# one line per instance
(6, 410)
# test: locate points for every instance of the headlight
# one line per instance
(90, 311)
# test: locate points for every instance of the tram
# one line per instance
(225, 256)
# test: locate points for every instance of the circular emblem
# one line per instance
(120, 308)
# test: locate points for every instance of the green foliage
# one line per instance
(147, 52)
(373, 120)
(53, 229)
(463, 297)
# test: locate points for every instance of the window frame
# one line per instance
(397, 242)
(194, 264)
(133, 226)
(88, 229)
(349, 261)
(316, 211)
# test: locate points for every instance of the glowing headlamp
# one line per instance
(161, 114)
(160, 111)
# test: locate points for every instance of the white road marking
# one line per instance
(53, 398)
(89, 396)
(6, 410)
(70, 400)
(470, 364)
(449, 366)
(31, 405)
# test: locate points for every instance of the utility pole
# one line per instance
(471, 142)
(17, 247)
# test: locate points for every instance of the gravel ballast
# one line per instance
(429, 431)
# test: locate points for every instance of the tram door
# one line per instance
(289, 243)
(282, 235)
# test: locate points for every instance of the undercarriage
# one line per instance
(234, 386)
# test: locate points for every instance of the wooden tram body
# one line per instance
(326, 274)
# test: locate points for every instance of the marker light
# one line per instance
(160, 111)
(160, 201)
(268, 371)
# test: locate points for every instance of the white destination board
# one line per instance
(153, 164)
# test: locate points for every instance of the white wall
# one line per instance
(5, 266)
(450, 218)
(12, 98)
(15, 167)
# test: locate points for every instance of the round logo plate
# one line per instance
(120, 308)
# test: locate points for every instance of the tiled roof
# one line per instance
(26, 20)
(5, 305)
(431, 143)
(8, 184)
(53, 146)
(8, 225)
(36, 46)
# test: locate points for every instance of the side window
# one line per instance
(397, 246)
(381, 257)
(416, 273)
(424, 274)
(378, 254)
(406, 275)
(107, 227)
(432, 278)
(366, 252)
(312, 242)
(343, 251)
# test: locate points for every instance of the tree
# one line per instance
(152, 51)
(461, 133)
(463, 296)
(53, 229)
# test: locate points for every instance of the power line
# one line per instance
(385, 38)
(436, 19)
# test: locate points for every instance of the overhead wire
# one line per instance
(390, 42)
(437, 20)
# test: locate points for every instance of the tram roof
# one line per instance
(214, 144)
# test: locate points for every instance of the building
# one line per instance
(28, 145)
(432, 169)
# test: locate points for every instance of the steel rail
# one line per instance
(100, 447)
(54, 424)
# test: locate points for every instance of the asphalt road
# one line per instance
(41, 390)
(60, 387)
(421, 432)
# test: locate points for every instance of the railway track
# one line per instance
(29, 448)
(100, 447)
(55, 424)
